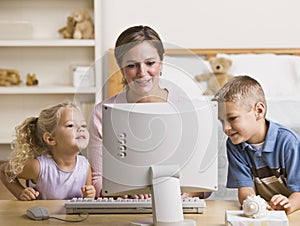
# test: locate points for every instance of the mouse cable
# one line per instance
(75, 220)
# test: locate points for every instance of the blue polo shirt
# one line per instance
(272, 169)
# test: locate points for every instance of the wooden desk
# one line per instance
(12, 213)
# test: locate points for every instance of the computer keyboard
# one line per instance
(120, 205)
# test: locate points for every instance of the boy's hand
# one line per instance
(88, 191)
(28, 194)
(280, 202)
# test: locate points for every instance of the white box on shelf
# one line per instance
(83, 76)
(272, 218)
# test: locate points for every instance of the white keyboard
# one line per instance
(120, 205)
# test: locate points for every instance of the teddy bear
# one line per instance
(218, 77)
(31, 80)
(84, 27)
(9, 77)
(68, 30)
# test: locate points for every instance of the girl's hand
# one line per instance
(280, 202)
(28, 194)
(88, 191)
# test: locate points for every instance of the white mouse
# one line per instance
(38, 213)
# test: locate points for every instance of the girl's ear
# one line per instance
(260, 110)
(48, 138)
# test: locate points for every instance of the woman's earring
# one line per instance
(160, 73)
(123, 80)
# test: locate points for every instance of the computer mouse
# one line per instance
(38, 213)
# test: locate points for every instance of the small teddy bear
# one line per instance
(31, 80)
(218, 77)
(68, 30)
(84, 27)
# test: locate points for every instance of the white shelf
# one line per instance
(42, 51)
(46, 89)
(48, 43)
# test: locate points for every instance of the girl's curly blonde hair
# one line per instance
(29, 142)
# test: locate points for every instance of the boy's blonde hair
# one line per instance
(29, 142)
(243, 90)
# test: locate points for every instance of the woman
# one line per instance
(139, 53)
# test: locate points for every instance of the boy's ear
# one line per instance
(260, 110)
(49, 139)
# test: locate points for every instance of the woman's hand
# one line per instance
(28, 194)
(88, 191)
(137, 196)
(201, 195)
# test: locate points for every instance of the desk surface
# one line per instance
(13, 213)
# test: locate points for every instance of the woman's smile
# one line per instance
(143, 81)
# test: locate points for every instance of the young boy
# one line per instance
(263, 156)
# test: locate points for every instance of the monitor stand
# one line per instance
(166, 199)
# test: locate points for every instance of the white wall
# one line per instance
(207, 23)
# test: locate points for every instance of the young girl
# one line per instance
(46, 154)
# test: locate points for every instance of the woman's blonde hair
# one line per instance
(29, 142)
(133, 36)
(242, 89)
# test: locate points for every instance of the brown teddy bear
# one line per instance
(84, 27)
(68, 30)
(31, 80)
(218, 77)
(9, 77)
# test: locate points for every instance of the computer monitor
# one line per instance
(160, 148)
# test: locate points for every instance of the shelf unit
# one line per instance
(49, 56)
